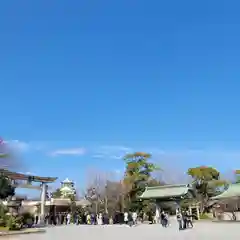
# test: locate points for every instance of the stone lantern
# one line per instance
(13, 206)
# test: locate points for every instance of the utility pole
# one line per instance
(122, 196)
(96, 196)
(106, 199)
(96, 206)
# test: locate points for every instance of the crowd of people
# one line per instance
(184, 219)
(61, 218)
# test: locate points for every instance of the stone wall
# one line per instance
(227, 216)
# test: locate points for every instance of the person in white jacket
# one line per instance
(134, 217)
(126, 217)
(68, 218)
(100, 219)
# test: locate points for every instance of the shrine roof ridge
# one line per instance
(169, 186)
(232, 191)
(167, 191)
(21, 176)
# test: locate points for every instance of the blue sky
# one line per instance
(84, 82)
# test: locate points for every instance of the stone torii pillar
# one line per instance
(157, 212)
(198, 214)
(43, 202)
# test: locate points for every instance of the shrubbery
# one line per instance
(3, 216)
(15, 222)
(28, 219)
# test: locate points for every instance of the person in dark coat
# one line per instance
(180, 220)
(84, 218)
(130, 219)
(105, 219)
(184, 217)
(162, 216)
(150, 217)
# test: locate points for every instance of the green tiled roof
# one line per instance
(232, 191)
(166, 191)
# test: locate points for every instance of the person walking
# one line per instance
(179, 220)
(189, 220)
(126, 217)
(88, 218)
(68, 218)
(166, 219)
(184, 217)
(100, 219)
(130, 220)
(134, 217)
(163, 219)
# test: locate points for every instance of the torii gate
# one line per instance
(27, 181)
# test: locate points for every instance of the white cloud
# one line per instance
(112, 152)
(98, 156)
(21, 146)
(175, 163)
(68, 151)
(28, 173)
(118, 171)
(115, 148)
(18, 145)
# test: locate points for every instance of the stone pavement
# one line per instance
(201, 231)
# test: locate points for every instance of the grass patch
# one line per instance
(204, 216)
(4, 229)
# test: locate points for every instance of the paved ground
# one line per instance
(201, 231)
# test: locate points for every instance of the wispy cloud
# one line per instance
(18, 145)
(203, 157)
(68, 151)
(28, 173)
(98, 156)
(23, 146)
(175, 163)
(111, 152)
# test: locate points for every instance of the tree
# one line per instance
(154, 182)
(57, 193)
(207, 183)
(105, 191)
(96, 189)
(6, 188)
(137, 176)
(113, 194)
